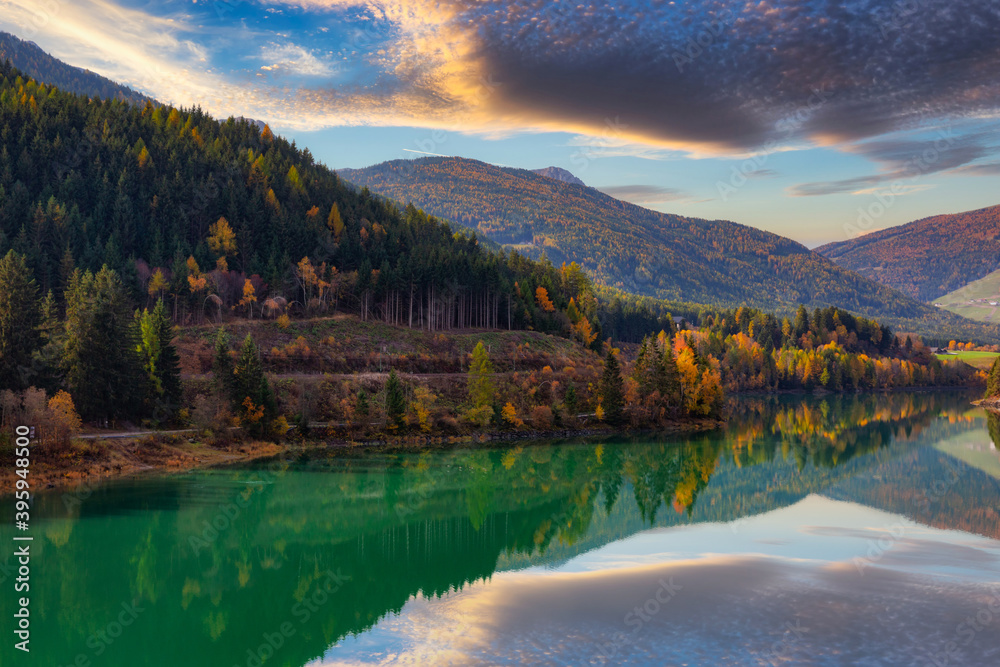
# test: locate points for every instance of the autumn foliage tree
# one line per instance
(222, 242)
(481, 389)
(544, 302)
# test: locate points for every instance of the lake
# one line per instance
(837, 530)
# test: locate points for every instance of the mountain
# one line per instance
(559, 174)
(202, 209)
(926, 258)
(629, 247)
(39, 65)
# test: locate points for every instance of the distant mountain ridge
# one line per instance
(629, 247)
(39, 65)
(926, 258)
(559, 174)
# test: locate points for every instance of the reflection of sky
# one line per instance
(817, 531)
(819, 582)
(600, 89)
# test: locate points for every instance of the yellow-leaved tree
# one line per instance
(222, 242)
(542, 297)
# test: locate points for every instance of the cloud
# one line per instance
(295, 60)
(907, 158)
(705, 78)
(718, 77)
(644, 194)
(985, 169)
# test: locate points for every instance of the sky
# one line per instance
(816, 120)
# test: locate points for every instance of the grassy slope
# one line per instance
(958, 302)
(974, 450)
(978, 359)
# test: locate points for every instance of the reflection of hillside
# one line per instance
(831, 430)
(398, 524)
(929, 487)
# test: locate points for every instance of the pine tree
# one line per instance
(481, 377)
(103, 369)
(48, 357)
(611, 390)
(160, 360)
(671, 387)
(571, 401)
(801, 325)
(254, 400)
(222, 367)
(993, 380)
(395, 401)
(19, 319)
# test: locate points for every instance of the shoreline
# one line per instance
(96, 460)
(93, 462)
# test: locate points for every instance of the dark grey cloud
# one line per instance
(643, 194)
(737, 75)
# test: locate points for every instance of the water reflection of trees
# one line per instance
(398, 524)
(833, 429)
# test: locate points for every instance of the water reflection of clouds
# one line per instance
(739, 594)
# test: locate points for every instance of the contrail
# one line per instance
(410, 150)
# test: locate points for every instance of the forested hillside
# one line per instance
(926, 258)
(39, 65)
(627, 246)
(216, 216)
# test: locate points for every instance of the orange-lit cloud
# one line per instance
(710, 78)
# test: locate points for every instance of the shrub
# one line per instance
(480, 416)
(63, 420)
(541, 417)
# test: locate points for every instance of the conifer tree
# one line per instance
(222, 366)
(19, 319)
(611, 390)
(254, 400)
(160, 360)
(993, 380)
(671, 384)
(103, 369)
(395, 401)
(362, 408)
(48, 357)
(571, 401)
